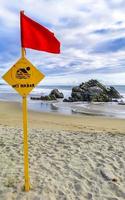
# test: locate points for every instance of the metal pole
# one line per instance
(23, 52)
(25, 136)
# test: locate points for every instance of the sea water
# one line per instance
(7, 93)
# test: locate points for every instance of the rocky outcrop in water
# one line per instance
(93, 90)
(57, 94)
(54, 95)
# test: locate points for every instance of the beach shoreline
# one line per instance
(70, 157)
(11, 114)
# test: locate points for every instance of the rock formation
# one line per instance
(54, 95)
(93, 90)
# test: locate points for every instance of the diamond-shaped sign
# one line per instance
(23, 76)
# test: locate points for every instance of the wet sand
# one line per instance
(11, 114)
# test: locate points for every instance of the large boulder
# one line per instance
(81, 96)
(102, 97)
(113, 93)
(92, 83)
(70, 99)
(77, 89)
(97, 94)
(48, 98)
(77, 96)
(93, 90)
(57, 94)
(35, 98)
(54, 94)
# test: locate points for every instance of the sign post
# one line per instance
(25, 143)
(23, 77)
(25, 139)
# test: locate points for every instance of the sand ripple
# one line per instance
(63, 165)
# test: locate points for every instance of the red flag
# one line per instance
(36, 36)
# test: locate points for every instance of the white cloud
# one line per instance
(75, 23)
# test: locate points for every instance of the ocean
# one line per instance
(7, 93)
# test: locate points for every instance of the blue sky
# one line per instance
(92, 36)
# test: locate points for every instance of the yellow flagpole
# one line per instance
(25, 138)
(23, 52)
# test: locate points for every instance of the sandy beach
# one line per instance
(71, 157)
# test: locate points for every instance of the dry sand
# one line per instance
(71, 158)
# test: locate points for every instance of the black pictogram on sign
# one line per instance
(23, 73)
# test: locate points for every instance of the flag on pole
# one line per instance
(36, 36)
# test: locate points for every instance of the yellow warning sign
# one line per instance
(23, 76)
